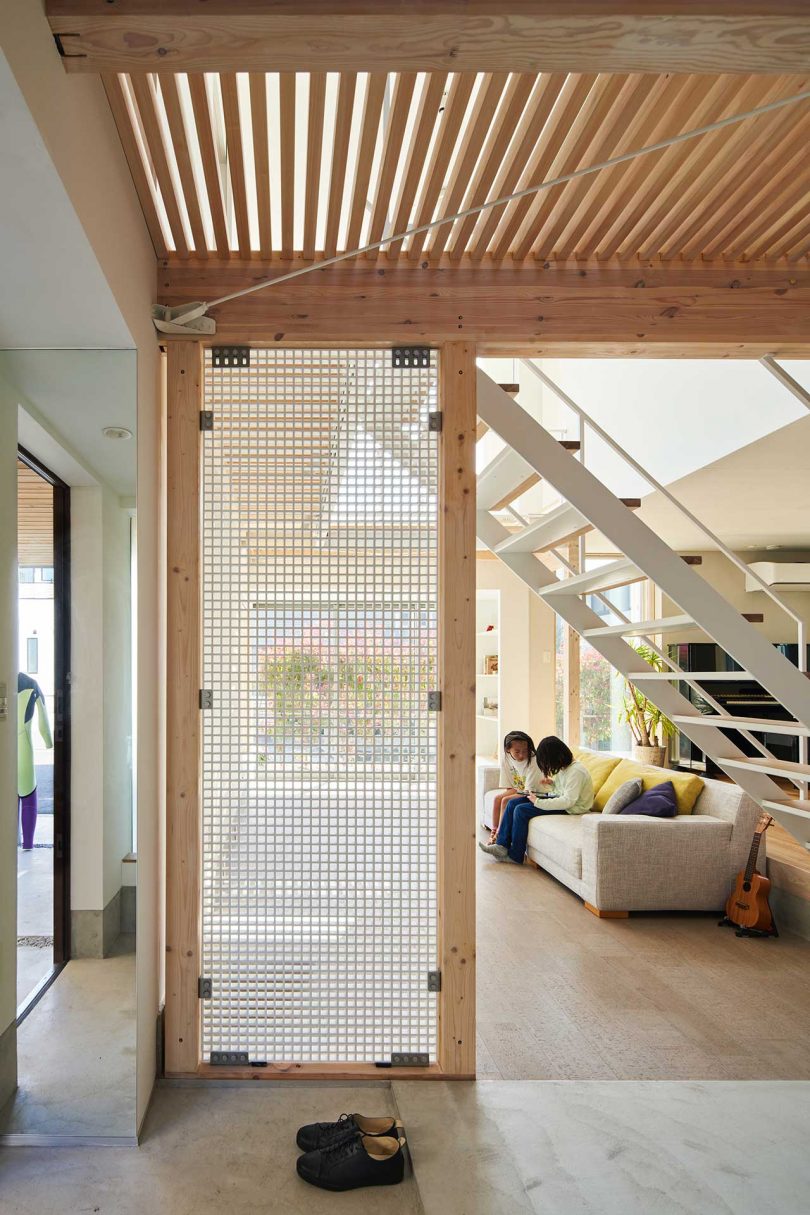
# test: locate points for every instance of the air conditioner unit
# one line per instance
(781, 575)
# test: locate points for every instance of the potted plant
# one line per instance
(648, 725)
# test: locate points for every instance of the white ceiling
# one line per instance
(72, 395)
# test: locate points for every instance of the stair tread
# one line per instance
(693, 675)
(782, 767)
(580, 582)
(665, 624)
(793, 805)
(509, 475)
(774, 725)
(529, 538)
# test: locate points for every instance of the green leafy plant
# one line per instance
(648, 725)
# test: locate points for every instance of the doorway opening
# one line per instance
(43, 742)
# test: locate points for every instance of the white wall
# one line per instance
(8, 736)
(526, 651)
(777, 626)
(101, 810)
(78, 130)
(117, 618)
(87, 701)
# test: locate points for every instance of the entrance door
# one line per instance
(319, 554)
(41, 702)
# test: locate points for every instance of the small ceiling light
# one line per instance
(116, 432)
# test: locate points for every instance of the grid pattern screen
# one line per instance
(320, 576)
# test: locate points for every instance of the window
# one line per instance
(32, 655)
(26, 573)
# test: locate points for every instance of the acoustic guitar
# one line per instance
(747, 908)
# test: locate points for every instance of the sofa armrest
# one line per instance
(631, 862)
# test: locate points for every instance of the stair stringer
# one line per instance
(696, 597)
(534, 574)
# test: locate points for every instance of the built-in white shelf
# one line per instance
(487, 684)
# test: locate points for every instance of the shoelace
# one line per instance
(342, 1148)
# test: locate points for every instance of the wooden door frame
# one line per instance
(61, 724)
(456, 800)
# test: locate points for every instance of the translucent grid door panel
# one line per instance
(319, 750)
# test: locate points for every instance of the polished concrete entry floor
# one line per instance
(563, 995)
(76, 1053)
(498, 1148)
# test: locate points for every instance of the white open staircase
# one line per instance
(531, 454)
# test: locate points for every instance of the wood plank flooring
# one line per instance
(564, 996)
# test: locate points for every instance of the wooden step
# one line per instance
(644, 628)
(775, 767)
(605, 578)
(794, 728)
(481, 429)
(511, 390)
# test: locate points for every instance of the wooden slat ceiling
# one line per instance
(34, 518)
(278, 166)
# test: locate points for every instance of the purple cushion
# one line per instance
(658, 802)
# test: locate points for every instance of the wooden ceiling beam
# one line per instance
(678, 309)
(739, 36)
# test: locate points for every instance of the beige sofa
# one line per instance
(619, 863)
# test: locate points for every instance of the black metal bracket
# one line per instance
(229, 1058)
(205, 988)
(230, 356)
(410, 1059)
(434, 982)
(410, 356)
(206, 419)
(435, 420)
(61, 48)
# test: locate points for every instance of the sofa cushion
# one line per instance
(626, 793)
(559, 837)
(687, 786)
(658, 802)
(599, 764)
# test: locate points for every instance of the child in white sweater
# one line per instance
(519, 774)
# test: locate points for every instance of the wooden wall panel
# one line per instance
(457, 822)
(183, 619)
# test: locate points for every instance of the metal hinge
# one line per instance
(435, 420)
(206, 419)
(434, 702)
(410, 356)
(410, 1059)
(206, 698)
(230, 356)
(434, 980)
(205, 988)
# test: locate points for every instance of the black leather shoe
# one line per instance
(321, 1134)
(353, 1162)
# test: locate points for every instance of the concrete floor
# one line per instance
(76, 1053)
(495, 1148)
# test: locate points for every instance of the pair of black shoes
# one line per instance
(353, 1152)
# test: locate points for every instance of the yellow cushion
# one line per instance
(599, 764)
(687, 787)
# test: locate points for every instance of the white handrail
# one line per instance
(586, 419)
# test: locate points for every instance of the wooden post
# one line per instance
(572, 709)
(183, 632)
(456, 866)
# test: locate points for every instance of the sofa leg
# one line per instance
(606, 915)
(533, 864)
